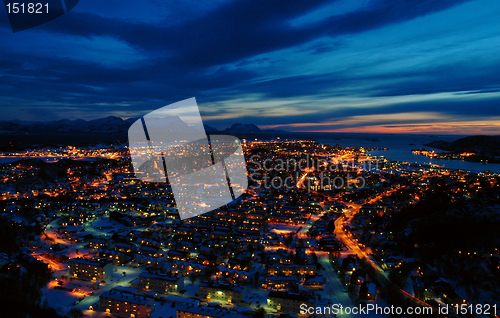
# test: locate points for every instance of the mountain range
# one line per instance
(109, 124)
(480, 145)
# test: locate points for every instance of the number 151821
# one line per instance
(27, 8)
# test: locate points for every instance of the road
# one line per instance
(342, 235)
(353, 247)
(338, 294)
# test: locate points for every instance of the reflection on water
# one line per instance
(407, 155)
(400, 147)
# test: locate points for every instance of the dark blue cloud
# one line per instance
(242, 29)
(99, 63)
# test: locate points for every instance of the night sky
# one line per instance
(400, 66)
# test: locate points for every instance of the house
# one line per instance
(314, 281)
(83, 268)
(116, 257)
(150, 251)
(57, 256)
(219, 235)
(223, 292)
(97, 243)
(289, 302)
(81, 237)
(279, 282)
(147, 260)
(160, 282)
(209, 260)
(125, 304)
(243, 265)
(293, 269)
(125, 248)
(174, 255)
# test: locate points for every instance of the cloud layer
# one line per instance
(368, 65)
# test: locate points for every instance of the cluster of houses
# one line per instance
(237, 247)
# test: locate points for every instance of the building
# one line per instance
(221, 292)
(89, 269)
(125, 304)
(57, 256)
(125, 248)
(280, 282)
(174, 255)
(147, 260)
(115, 257)
(289, 302)
(314, 281)
(150, 251)
(160, 282)
(203, 312)
(289, 270)
(97, 243)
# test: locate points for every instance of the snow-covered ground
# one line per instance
(64, 300)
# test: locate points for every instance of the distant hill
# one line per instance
(247, 128)
(488, 146)
(242, 128)
(10, 126)
(210, 129)
(109, 124)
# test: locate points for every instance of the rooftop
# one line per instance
(158, 276)
(222, 286)
(86, 261)
(116, 295)
(291, 296)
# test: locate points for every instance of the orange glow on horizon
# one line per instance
(445, 128)
(400, 123)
